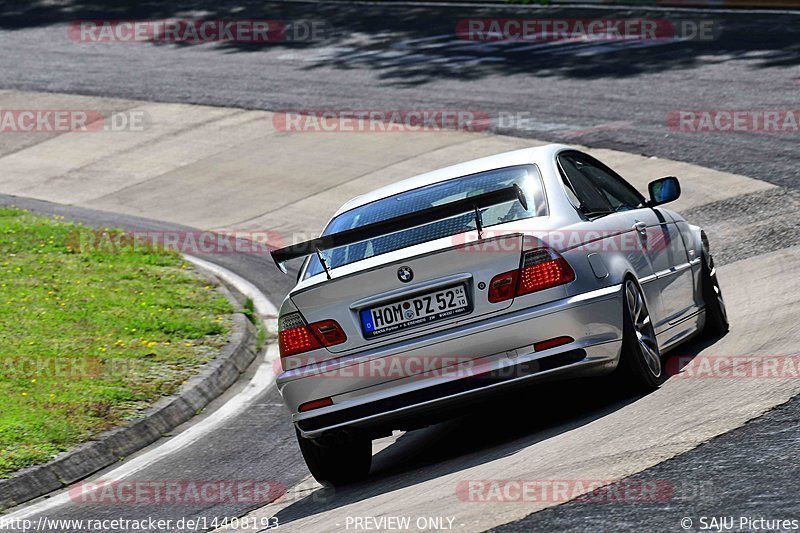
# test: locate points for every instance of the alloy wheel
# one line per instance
(643, 327)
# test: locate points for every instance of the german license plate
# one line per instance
(416, 311)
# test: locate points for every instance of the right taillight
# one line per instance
(541, 269)
(295, 337)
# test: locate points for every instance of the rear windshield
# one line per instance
(527, 177)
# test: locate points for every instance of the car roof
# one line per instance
(525, 156)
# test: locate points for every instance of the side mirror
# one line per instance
(663, 190)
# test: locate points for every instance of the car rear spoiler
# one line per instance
(402, 222)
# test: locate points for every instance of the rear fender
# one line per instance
(597, 269)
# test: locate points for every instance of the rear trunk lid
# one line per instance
(422, 288)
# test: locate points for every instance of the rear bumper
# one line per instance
(474, 360)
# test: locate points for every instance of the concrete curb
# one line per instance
(160, 418)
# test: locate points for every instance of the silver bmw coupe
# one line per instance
(437, 291)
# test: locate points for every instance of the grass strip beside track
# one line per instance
(89, 338)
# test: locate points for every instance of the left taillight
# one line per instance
(541, 269)
(295, 336)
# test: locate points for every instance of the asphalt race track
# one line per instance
(600, 95)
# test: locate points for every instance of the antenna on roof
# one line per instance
(323, 263)
(478, 221)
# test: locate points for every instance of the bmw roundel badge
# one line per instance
(405, 274)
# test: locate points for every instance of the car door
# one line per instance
(659, 236)
(611, 215)
(666, 249)
(662, 243)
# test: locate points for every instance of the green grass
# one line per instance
(90, 338)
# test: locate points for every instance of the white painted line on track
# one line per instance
(260, 382)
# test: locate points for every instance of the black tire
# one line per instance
(337, 462)
(716, 314)
(641, 367)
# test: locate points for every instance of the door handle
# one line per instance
(641, 227)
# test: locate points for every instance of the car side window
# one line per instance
(583, 193)
(596, 187)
